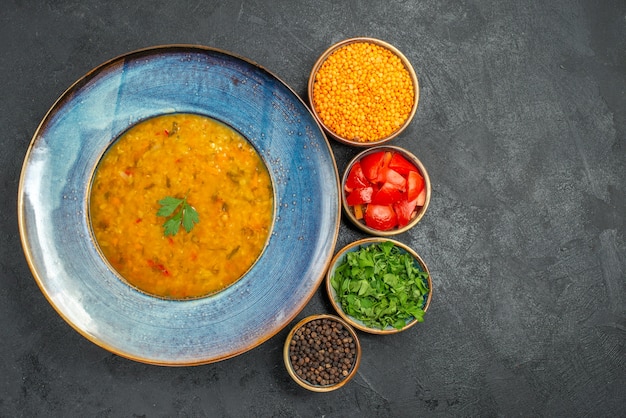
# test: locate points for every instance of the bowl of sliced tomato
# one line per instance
(385, 190)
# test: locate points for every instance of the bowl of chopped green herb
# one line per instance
(379, 285)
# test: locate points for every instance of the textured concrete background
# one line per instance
(521, 124)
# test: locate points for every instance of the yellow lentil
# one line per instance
(363, 92)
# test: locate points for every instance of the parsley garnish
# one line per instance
(381, 285)
(179, 212)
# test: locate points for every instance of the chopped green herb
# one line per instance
(178, 212)
(381, 285)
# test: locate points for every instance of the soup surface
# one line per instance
(225, 196)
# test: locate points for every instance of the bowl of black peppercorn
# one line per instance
(322, 353)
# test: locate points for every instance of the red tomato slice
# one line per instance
(401, 164)
(356, 179)
(421, 198)
(404, 211)
(360, 196)
(387, 195)
(387, 158)
(380, 217)
(415, 185)
(388, 175)
(371, 164)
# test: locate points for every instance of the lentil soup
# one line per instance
(218, 174)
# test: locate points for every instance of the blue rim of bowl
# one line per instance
(56, 176)
(355, 246)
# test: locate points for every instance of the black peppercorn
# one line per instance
(322, 352)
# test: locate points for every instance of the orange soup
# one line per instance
(225, 196)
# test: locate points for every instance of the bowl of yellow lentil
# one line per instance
(363, 91)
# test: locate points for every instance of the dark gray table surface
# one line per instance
(521, 125)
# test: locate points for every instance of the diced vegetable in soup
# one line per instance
(181, 206)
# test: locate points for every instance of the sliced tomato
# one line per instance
(387, 158)
(386, 195)
(401, 164)
(380, 217)
(415, 185)
(404, 211)
(371, 163)
(388, 175)
(421, 198)
(360, 196)
(356, 179)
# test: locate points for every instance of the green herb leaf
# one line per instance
(190, 217)
(168, 205)
(171, 225)
(381, 285)
(179, 212)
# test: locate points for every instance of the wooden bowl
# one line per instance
(341, 257)
(370, 112)
(400, 209)
(297, 367)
